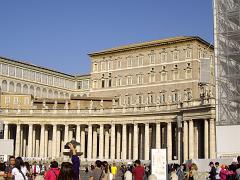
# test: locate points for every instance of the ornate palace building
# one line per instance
(137, 97)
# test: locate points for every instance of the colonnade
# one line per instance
(116, 140)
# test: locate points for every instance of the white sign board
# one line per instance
(159, 163)
(6, 147)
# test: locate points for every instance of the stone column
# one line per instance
(46, 143)
(106, 143)
(21, 141)
(185, 140)
(94, 142)
(158, 135)
(118, 142)
(66, 133)
(101, 138)
(135, 142)
(24, 141)
(42, 142)
(179, 145)
(54, 136)
(89, 143)
(34, 141)
(130, 133)
(17, 142)
(78, 136)
(124, 142)
(146, 156)
(37, 142)
(206, 140)
(83, 140)
(70, 134)
(191, 141)
(212, 139)
(113, 141)
(196, 139)
(169, 140)
(5, 131)
(30, 139)
(58, 143)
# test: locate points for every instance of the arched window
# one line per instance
(55, 94)
(4, 85)
(61, 95)
(50, 93)
(44, 93)
(38, 92)
(25, 89)
(11, 86)
(18, 88)
(32, 90)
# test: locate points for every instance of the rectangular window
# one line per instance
(79, 84)
(11, 71)
(38, 77)
(50, 80)
(128, 100)
(175, 55)
(103, 83)
(152, 77)
(103, 66)
(163, 57)
(162, 98)
(174, 97)
(140, 99)
(188, 53)
(129, 80)
(94, 84)
(150, 99)
(140, 61)
(4, 69)
(119, 64)
(129, 62)
(152, 58)
(110, 83)
(139, 79)
(175, 75)
(110, 65)
(188, 73)
(164, 76)
(19, 72)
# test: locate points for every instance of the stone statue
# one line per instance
(78, 105)
(91, 104)
(55, 105)
(101, 104)
(66, 105)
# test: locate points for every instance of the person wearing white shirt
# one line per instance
(20, 170)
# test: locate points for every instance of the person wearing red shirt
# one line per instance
(53, 172)
(138, 171)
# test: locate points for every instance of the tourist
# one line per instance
(138, 171)
(224, 172)
(9, 167)
(75, 159)
(212, 173)
(2, 170)
(35, 169)
(98, 172)
(105, 167)
(181, 172)
(66, 171)
(53, 172)
(128, 174)
(114, 170)
(238, 168)
(19, 172)
(29, 173)
(218, 170)
(193, 172)
(173, 174)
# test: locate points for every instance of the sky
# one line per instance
(58, 34)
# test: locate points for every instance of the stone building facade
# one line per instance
(137, 97)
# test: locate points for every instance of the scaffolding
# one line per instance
(227, 55)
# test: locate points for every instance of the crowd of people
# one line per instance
(17, 169)
(217, 171)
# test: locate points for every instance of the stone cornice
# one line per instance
(161, 42)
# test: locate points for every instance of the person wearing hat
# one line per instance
(74, 157)
(212, 173)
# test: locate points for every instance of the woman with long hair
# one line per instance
(20, 170)
(66, 172)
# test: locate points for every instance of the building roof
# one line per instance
(35, 66)
(166, 41)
